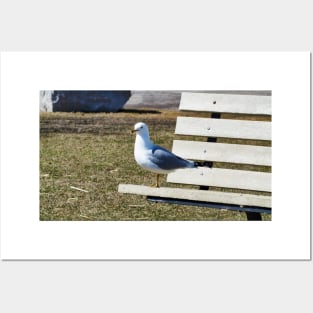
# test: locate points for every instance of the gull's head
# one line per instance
(141, 129)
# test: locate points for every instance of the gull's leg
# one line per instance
(157, 181)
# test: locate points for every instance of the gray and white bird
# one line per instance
(156, 158)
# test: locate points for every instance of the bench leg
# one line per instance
(253, 216)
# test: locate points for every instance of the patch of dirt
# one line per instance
(103, 124)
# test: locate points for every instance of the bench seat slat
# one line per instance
(226, 103)
(210, 127)
(198, 195)
(220, 152)
(219, 177)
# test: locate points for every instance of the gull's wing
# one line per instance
(167, 160)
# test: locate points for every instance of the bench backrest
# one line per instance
(242, 153)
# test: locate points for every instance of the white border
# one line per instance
(23, 236)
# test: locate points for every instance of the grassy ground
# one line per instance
(94, 152)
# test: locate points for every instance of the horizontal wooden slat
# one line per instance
(230, 103)
(210, 127)
(198, 195)
(218, 177)
(220, 152)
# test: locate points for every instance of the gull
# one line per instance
(156, 158)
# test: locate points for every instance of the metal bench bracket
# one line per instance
(250, 210)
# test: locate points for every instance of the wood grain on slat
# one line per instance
(210, 127)
(220, 152)
(230, 103)
(218, 177)
(198, 195)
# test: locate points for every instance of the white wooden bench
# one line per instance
(237, 151)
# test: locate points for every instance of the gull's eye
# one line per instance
(141, 127)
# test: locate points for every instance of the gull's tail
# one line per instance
(193, 164)
(203, 164)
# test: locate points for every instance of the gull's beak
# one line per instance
(133, 130)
